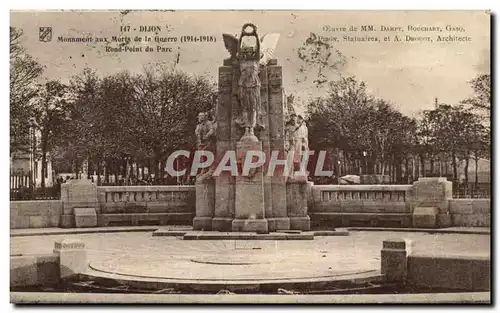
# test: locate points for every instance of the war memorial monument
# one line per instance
(252, 223)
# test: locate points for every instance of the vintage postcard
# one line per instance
(162, 156)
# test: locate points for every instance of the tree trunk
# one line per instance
(422, 166)
(432, 166)
(440, 167)
(107, 167)
(466, 172)
(89, 168)
(44, 143)
(149, 169)
(454, 164)
(77, 168)
(399, 171)
(116, 170)
(98, 171)
(156, 170)
(413, 169)
(476, 159)
(406, 174)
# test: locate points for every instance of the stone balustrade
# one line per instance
(143, 199)
(362, 205)
(333, 196)
(138, 205)
(341, 205)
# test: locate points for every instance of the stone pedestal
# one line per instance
(297, 192)
(205, 204)
(425, 217)
(72, 257)
(394, 256)
(85, 217)
(77, 193)
(249, 208)
(433, 192)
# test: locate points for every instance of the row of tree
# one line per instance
(368, 135)
(107, 122)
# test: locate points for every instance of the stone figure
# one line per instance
(250, 114)
(301, 135)
(290, 128)
(206, 137)
(205, 133)
(296, 138)
(250, 59)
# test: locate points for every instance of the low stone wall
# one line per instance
(142, 199)
(67, 262)
(449, 272)
(428, 203)
(349, 205)
(328, 205)
(35, 214)
(140, 205)
(470, 212)
(34, 270)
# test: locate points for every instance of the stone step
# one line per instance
(245, 236)
(136, 218)
(337, 219)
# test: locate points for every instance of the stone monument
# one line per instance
(250, 118)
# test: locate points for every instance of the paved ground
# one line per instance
(112, 229)
(433, 298)
(141, 254)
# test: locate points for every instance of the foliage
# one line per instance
(24, 71)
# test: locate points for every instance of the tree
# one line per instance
(367, 132)
(481, 101)
(49, 107)
(165, 108)
(341, 120)
(24, 71)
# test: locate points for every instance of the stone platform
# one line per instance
(141, 261)
(215, 235)
(239, 266)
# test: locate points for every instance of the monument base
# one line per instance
(202, 223)
(278, 223)
(67, 221)
(222, 223)
(250, 225)
(300, 223)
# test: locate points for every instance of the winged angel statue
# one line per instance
(250, 58)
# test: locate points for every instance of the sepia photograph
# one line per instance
(258, 156)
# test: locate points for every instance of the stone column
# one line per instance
(264, 136)
(249, 201)
(297, 195)
(224, 184)
(430, 202)
(72, 257)
(394, 256)
(279, 219)
(77, 193)
(205, 204)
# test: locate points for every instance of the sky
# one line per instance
(408, 74)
